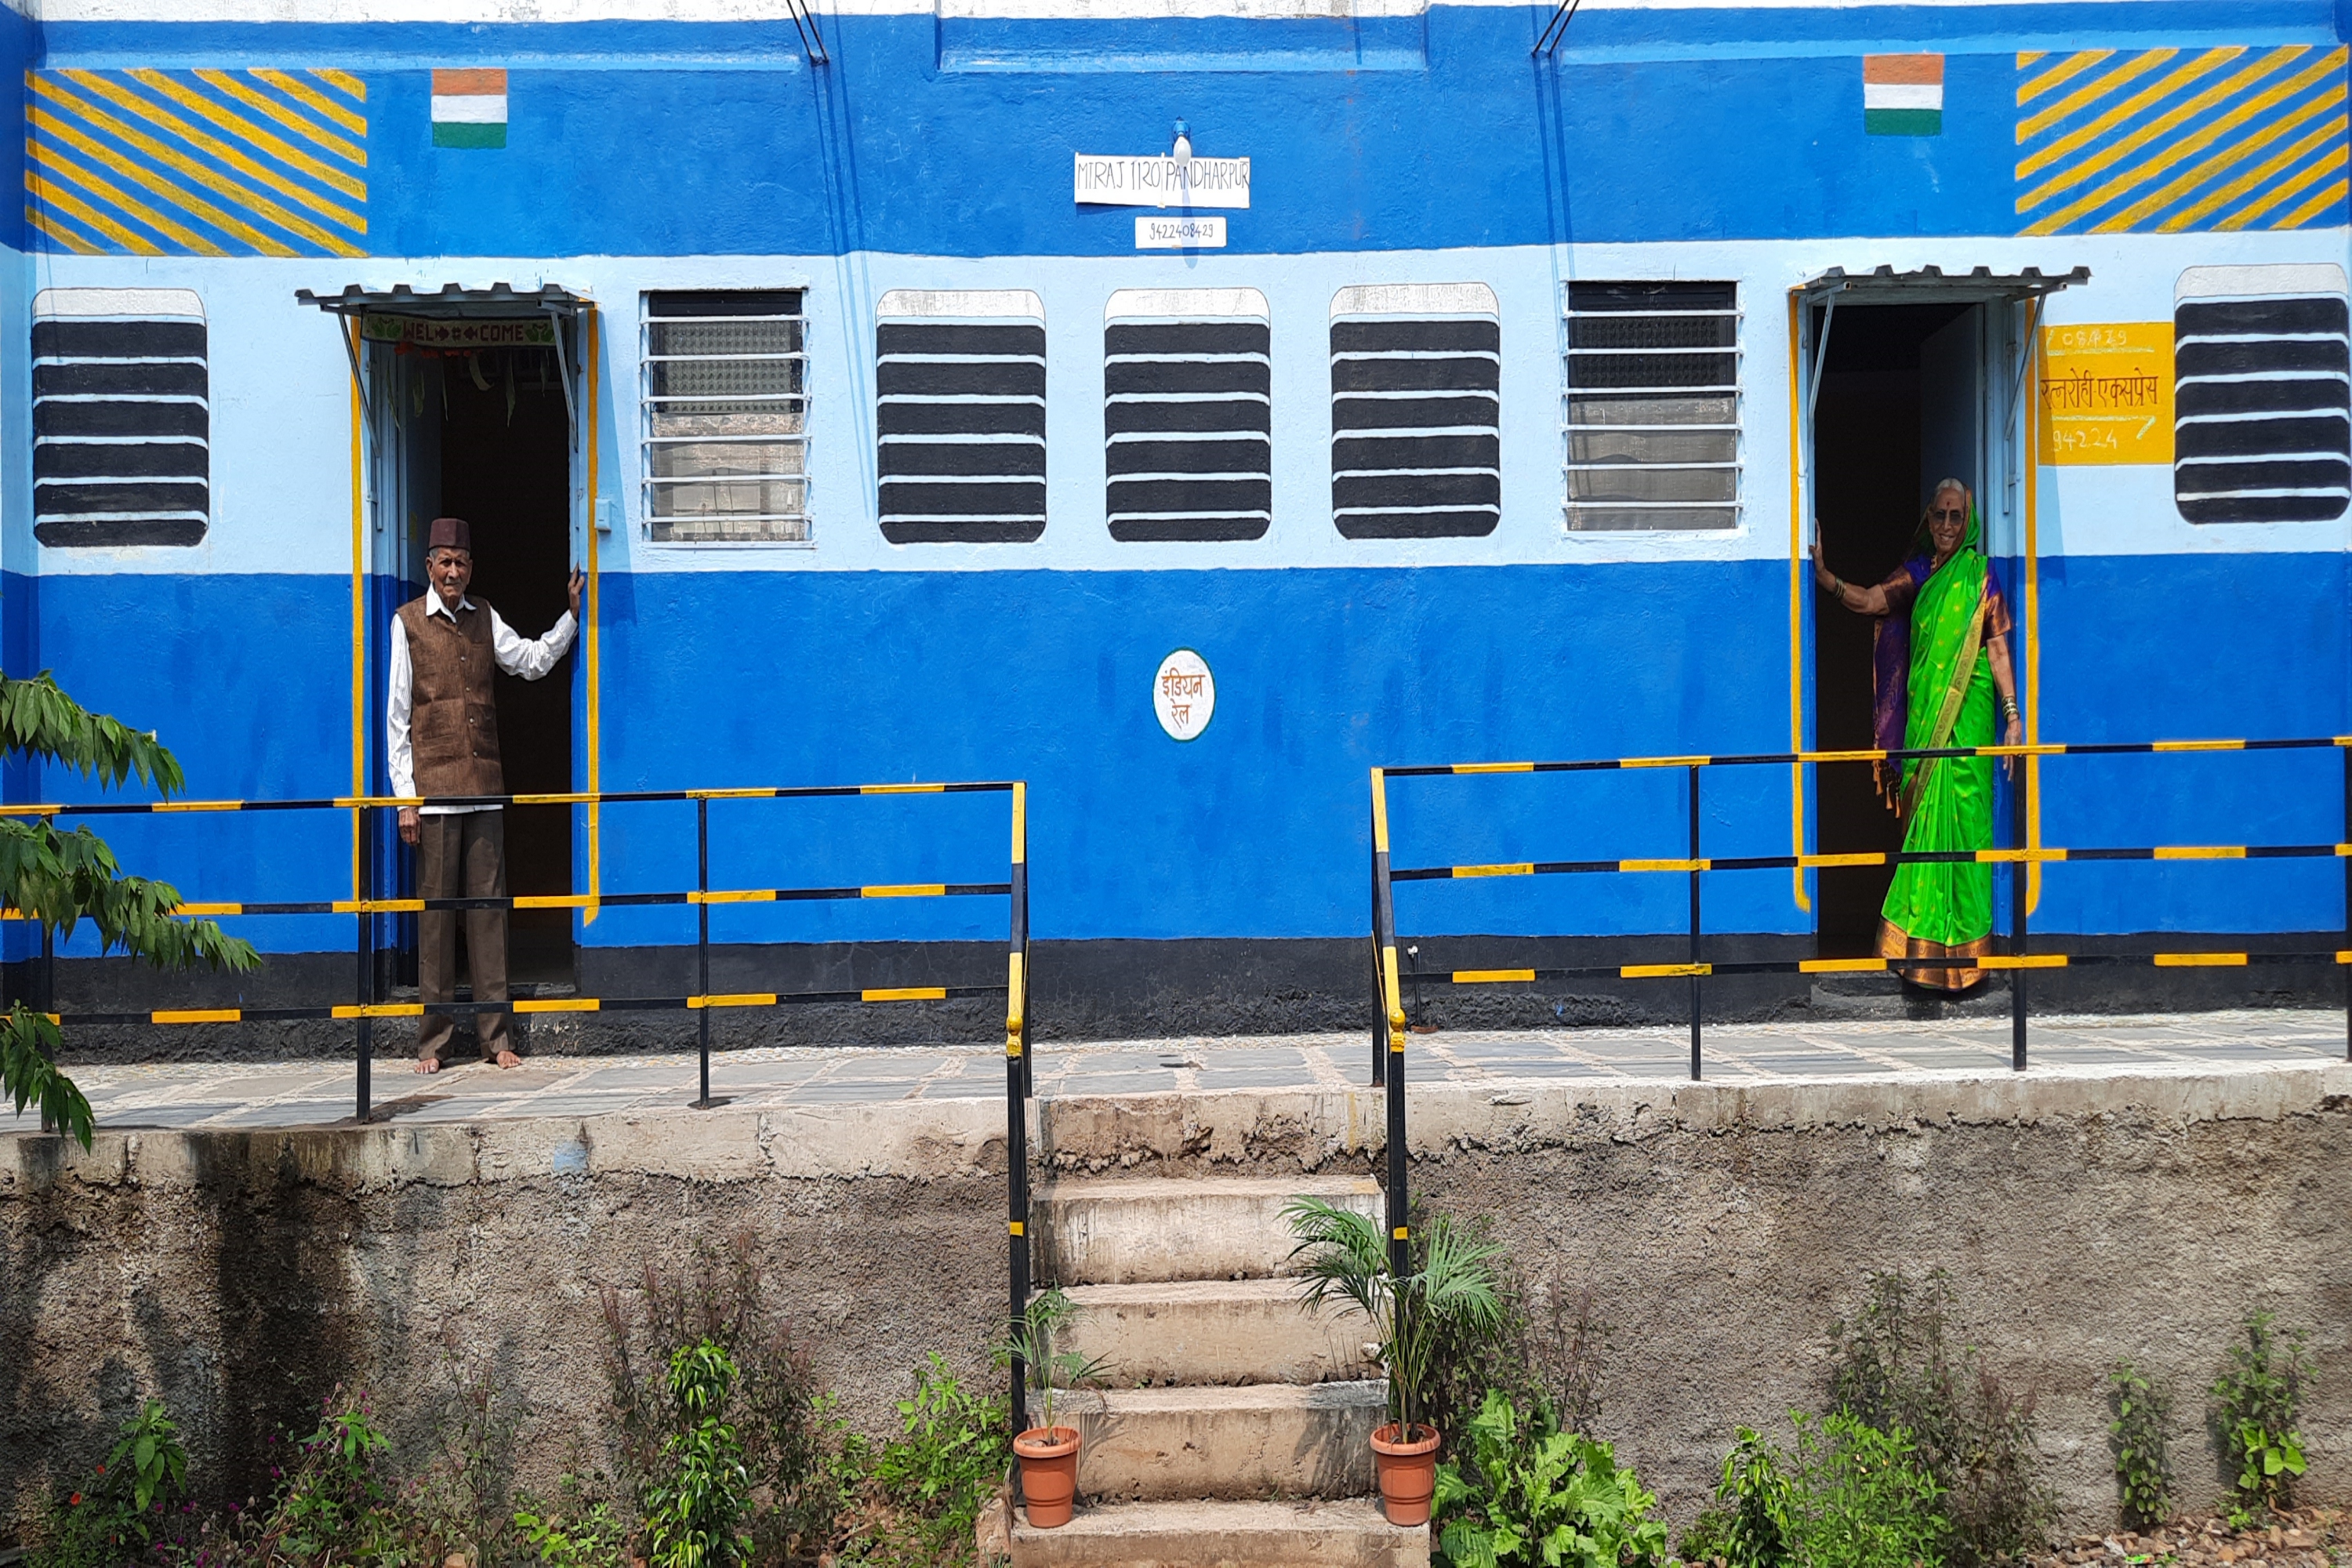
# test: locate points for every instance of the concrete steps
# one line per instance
(1216, 1332)
(1235, 1429)
(1127, 1232)
(1258, 1534)
(1264, 1440)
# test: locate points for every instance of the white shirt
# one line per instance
(529, 659)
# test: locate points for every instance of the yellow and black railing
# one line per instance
(366, 1006)
(1389, 1031)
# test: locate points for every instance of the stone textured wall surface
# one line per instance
(240, 1275)
(1722, 1230)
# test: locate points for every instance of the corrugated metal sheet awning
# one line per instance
(1934, 286)
(450, 301)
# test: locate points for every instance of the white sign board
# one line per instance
(1180, 234)
(1162, 182)
(1183, 694)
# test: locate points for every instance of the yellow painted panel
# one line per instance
(2200, 852)
(1493, 767)
(2200, 961)
(198, 1016)
(1663, 970)
(905, 890)
(1491, 976)
(558, 1004)
(1664, 865)
(735, 999)
(2107, 393)
(905, 994)
(1841, 965)
(2023, 961)
(1521, 868)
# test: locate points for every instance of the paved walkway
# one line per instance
(309, 1093)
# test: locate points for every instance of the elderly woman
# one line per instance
(1942, 657)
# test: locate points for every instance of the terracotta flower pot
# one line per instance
(1408, 1472)
(1049, 1474)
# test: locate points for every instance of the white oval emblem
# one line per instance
(1183, 694)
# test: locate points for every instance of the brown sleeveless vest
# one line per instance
(453, 716)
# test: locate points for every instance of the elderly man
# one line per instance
(443, 740)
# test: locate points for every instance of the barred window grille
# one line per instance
(1653, 405)
(1188, 414)
(121, 417)
(726, 402)
(960, 387)
(2263, 395)
(1416, 409)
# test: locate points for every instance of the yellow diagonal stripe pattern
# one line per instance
(2161, 140)
(264, 161)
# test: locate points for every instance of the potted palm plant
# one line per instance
(1048, 1452)
(1451, 1292)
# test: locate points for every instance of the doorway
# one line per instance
(1900, 408)
(505, 466)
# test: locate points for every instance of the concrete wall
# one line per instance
(1722, 1228)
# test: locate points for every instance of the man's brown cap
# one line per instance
(450, 533)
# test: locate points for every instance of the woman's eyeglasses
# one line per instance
(1954, 515)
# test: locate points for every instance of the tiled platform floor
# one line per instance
(306, 1093)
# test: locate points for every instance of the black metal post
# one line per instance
(702, 938)
(1018, 1087)
(47, 994)
(2019, 885)
(364, 1045)
(1694, 925)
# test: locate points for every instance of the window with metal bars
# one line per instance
(1652, 408)
(121, 417)
(1188, 413)
(2263, 394)
(726, 416)
(1416, 406)
(959, 422)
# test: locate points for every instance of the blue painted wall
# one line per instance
(1711, 143)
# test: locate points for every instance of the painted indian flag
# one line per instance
(1902, 95)
(469, 108)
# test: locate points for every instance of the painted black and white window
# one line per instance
(959, 389)
(2263, 396)
(1416, 410)
(1188, 413)
(1653, 405)
(121, 417)
(726, 410)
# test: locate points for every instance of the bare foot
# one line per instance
(509, 1059)
(428, 1064)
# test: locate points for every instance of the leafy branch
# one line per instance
(62, 878)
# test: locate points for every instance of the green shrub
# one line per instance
(2255, 1403)
(1846, 1495)
(333, 1498)
(792, 1438)
(2139, 1435)
(134, 1501)
(1894, 1369)
(954, 1451)
(1523, 1493)
(694, 1510)
(1543, 1349)
(1859, 1498)
(574, 1531)
(1749, 1530)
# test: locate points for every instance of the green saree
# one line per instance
(1945, 909)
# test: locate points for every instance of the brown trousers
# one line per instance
(462, 856)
